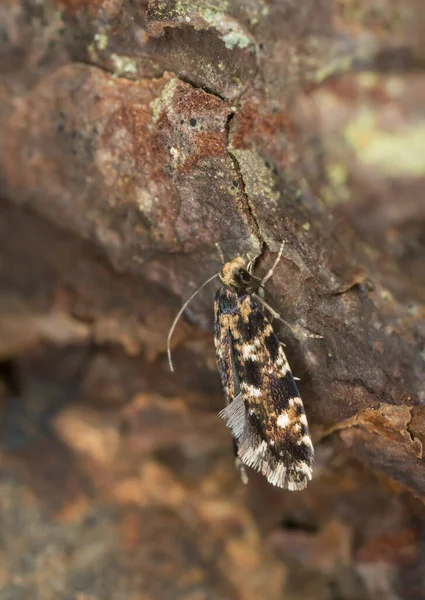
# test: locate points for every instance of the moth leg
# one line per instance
(298, 331)
(270, 273)
(239, 464)
(220, 252)
(251, 263)
(271, 310)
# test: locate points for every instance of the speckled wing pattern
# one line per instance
(264, 409)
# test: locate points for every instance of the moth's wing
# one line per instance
(275, 438)
(229, 380)
(224, 353)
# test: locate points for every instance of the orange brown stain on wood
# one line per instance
(349, 90)
(251, 122)
(133, 118)
(131, 531)
(146, 148)
(189, 102)
(75, 510)
(398, 548)
(73, 6)
(208, 145)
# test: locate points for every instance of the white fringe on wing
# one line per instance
(234, 415)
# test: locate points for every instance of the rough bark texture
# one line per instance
(134, 136)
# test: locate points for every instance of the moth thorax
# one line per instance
(234, 273)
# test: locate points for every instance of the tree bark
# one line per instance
(136, 137)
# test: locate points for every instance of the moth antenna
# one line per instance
(270, 273)
(179, 314)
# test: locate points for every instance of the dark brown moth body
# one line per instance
(264, 409)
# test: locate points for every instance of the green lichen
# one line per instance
(98, 44)
(258, 179)
(337, 65)
(386, 295)
(185, 10)
(165, 99)
(213, 17)
(367, 80)
(101, 41)
(343, 62)
(236, 39)
(395, 153)
(394, 86)
(144, 201)
(232, 34)
(124, 65)
(337, 189)
(213, 12)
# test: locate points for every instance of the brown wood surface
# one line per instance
(134, 136)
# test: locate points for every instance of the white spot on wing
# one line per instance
(282, 366)
(305, 440)
(295, 401)
(248, 351)
(283, 420)
(251, 390)
(303, 419)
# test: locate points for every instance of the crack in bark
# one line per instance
(247, 207)
(187, 80)
(247, 204)
(414, 439)
(386, 420)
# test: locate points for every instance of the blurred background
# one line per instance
(134, 136)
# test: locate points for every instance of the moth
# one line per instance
(263, 409)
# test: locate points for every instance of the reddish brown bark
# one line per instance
(134, 137)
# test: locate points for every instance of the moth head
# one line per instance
(235, 273)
